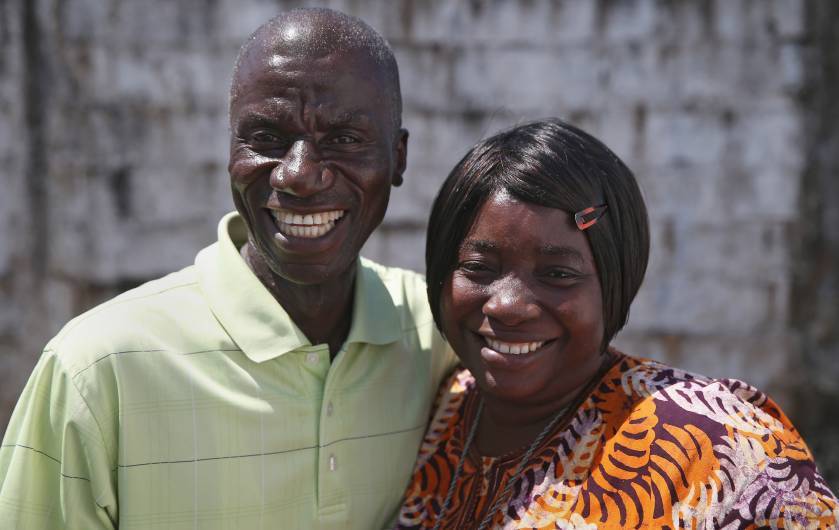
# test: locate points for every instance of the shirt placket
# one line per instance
(332, 495)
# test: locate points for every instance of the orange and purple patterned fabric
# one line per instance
(650, 447)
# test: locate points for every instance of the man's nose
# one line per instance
(301, 172)
(511, 302)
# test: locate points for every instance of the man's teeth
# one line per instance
(309, 225)
(516, 348)
(308, 219)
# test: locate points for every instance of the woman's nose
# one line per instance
(301, 172)
(511, 302)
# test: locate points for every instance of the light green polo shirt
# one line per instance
(195, 402)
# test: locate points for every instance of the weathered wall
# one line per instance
(113, 142)
(814, 297)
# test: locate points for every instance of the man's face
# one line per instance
(313, 154)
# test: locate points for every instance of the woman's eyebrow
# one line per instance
(479, 245)
(562, 251)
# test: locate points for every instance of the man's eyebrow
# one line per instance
(256, 119)
(562, 251)
(350, 117)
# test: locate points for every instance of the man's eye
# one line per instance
(343, 139)
(265, 138)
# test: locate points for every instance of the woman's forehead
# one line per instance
(505, 222)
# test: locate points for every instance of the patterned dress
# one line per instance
(650, 447)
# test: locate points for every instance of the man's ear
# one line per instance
(401, 156)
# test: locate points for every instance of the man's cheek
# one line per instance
(246, 167)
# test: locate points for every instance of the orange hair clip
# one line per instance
(589, 216)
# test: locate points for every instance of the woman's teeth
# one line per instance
(309, 225)
(515, 348)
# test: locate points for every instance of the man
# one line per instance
(280, 382)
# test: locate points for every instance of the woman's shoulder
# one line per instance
(680, 396)
(648, 426)
(703, 428)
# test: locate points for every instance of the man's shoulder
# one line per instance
(395, 275)
(407, 289)
(135, 320)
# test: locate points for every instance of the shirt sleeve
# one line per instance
(55, 469)
(786, 494)
(789, 489)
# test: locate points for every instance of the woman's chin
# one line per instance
(503, 386)
(505, 376)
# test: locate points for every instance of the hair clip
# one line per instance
(588, 216)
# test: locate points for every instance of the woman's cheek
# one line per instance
(465, 297)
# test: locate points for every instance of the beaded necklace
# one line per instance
(505, 493)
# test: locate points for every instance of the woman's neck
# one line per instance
(506, 427)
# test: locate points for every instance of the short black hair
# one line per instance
(318, 31)
(550, 163)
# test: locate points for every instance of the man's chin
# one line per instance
(300, 270)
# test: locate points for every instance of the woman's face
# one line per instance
(523, 308)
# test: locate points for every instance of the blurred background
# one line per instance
(113, 152)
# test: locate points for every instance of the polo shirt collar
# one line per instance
(254, 319)
(375, 319)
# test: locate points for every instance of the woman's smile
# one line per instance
(510, 357)
(513, 348)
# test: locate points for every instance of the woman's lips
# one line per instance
(513, 348)
(308, 226)
(514, 356)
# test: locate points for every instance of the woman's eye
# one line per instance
(474, 267)
(560, 274)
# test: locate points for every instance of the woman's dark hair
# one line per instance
(553, 164)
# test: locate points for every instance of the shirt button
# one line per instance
(332, 463)
(312, 358)
(329, 409)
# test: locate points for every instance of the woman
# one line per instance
(537, 243)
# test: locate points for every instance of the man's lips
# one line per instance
(306, 225)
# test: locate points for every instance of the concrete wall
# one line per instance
(113, 146)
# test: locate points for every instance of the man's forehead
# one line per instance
(337, 79)
(345, 64)
(288, 110)
(320, 53)
(288, 89)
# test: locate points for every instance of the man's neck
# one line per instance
(323, 312)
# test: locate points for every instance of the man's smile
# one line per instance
(310, 225)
